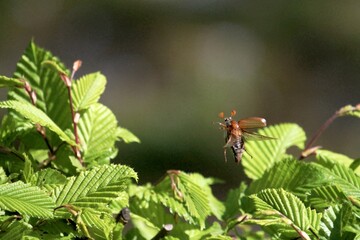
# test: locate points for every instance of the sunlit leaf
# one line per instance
(87, 90)
(36, 116)
(333, 221)
(15, 231)
(265, 153)
(98, 134)
(283, 211)
(326, 156)
(10, 82)
(51, 93)
(95, 188)
(291, 175)
(26, 199)
(126, 135)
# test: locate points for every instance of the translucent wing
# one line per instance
(253, 122)
(253, 136)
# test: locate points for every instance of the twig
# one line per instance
(341, 112)
(75, 116)
(163, 231)
(40, 129)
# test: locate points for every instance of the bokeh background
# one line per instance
(172, 66)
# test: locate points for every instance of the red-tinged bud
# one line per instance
(77, 118)
(358, 106)
(77, 65)
(33, 97)
(310, 151)
(304, 235)
(66, 79)
(27, 86)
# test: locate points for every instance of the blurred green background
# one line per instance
(172, 66)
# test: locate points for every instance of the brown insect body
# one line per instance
(239, 132)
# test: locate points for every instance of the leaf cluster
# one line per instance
(57, 182)
(57, 140)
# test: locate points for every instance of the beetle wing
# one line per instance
(253, 136)
(253, 122)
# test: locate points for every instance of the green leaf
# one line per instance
(325, 196)
(126, 135)
(265, 153)
(99, 225)
(10, 82)
(59, 229)
(217, 208)
(326, 157)
(292, 175)
(284, 210)
(26, 199)
(13, 127)
(48, 179)
(213, 232)
(95, 188)
(184, 197)
(36, 116)
(87, 90)
(233, 201)
(333, 222)
(3, 177)
(195, 198)
(349, 110)
(51, 92)
(344, 177)
(54, 65)
(147, 204)
(16, 230)
(98, 134)
(145, 228)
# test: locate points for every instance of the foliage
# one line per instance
(57, 180)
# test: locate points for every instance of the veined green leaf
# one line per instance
(152, 210)
(95, 188)
(281, 203)
(325, 157)
(283, 209)
(26, 199)
(291, 175)
(51, 92)
(333, 221)
(13, 127)
(266, 153)
(54, 65)
(15, 231)
(344, 177)
(3, 177)
(10, 82)
(217, 208)
(55, 229)
(98, 134)
(126, 135)
(145, 228)
(195, 198)
(314, 219)
(36, 116)
(48, 179)
(99, 225)
(184, 197)
(87, 90)
(325, 196)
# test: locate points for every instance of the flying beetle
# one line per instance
(238, 132)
